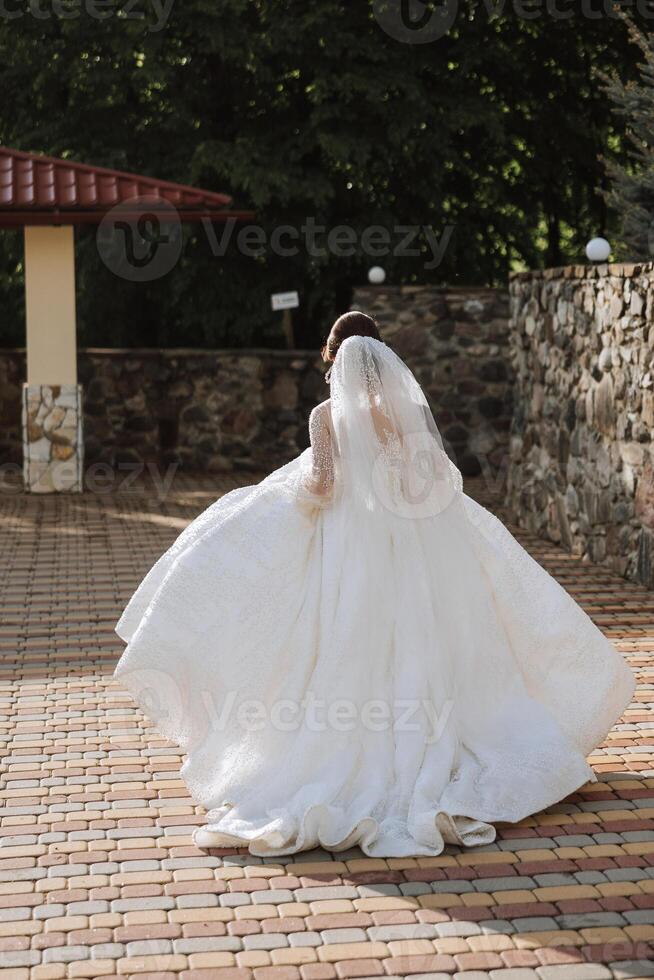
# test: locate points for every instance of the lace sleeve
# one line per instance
(319, 479)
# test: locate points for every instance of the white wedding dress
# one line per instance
(355, 652)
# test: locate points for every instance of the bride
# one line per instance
(355, 652)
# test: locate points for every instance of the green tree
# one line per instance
(314, 111)
(631, 192)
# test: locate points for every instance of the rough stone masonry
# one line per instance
(456, 341)
(582, 468)
(230, 410)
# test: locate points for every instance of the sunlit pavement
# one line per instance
(98, 875)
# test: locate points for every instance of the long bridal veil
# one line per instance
(354, 651)
(387, 441)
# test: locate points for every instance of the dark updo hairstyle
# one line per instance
(352, 324)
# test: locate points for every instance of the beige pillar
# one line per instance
(52, 402)
(50, 305)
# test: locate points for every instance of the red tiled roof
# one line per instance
(37, 189)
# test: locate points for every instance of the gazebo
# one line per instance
(47, 197)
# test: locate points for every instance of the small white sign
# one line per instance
(285, 301)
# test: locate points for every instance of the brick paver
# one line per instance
(98, 875)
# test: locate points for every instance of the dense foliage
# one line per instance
(490, 136)
(631, 189)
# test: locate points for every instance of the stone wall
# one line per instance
(248, 409)
(457, 342)
(581, 447)
(207, 410)
(53, 455)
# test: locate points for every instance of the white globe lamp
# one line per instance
(598, 250)
(376, 275)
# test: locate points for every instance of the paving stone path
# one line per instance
(98, 875)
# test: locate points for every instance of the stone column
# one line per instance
(52, 438)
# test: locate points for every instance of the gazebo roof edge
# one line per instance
(40, 189)
(19, 219)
